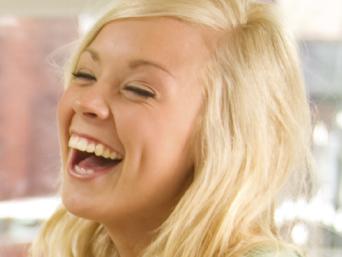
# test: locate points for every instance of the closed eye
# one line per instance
(136, 90)
(139, 91)
(83, 76)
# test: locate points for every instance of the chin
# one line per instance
(77, 205)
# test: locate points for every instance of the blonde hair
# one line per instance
(254, 133)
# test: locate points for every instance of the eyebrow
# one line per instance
(94, 55)
(133, 64)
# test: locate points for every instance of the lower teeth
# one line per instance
(82, 171)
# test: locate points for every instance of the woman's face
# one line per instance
(135, 92)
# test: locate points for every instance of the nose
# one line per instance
(92, 105)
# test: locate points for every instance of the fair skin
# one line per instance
(152, 129)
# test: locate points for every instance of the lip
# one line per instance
(98, 173)
(94, 140)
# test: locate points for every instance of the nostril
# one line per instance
(90, 114)
(92, 109)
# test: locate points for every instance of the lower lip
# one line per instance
(97, 173)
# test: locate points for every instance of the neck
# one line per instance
(134, 233)
(132, 237)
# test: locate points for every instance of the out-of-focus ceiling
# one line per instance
(47, 7)
(316, 22)
(40, 7)
(309, 19)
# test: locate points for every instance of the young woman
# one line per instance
(180, 123)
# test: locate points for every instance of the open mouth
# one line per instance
(85, 164)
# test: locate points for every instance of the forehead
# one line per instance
(177, 45)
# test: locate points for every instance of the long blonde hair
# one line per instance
(254, 133)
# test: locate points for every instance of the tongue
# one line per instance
(95, 162)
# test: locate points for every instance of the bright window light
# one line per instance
(339, 119)
(85, 22)
(29, 209)
(321, 134)
(300, 234)
(8, 21)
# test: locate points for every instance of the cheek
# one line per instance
(64, 115)
(153, 143)
(166, 163)
(156, 140)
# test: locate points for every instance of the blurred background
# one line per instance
(36, 37)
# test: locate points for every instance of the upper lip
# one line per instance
(95, 140)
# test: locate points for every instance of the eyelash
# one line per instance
(141, 92)
(82, 75)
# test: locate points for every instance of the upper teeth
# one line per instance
(84, 145)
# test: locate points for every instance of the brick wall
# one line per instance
(30, 87)
(18, 250)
